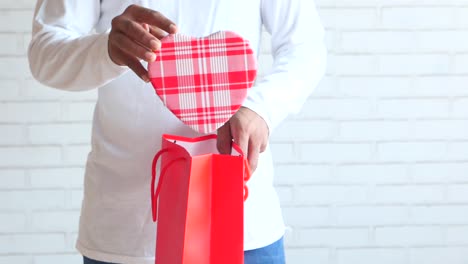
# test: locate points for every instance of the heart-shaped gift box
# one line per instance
(203, 81)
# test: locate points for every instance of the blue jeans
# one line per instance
(272, 254)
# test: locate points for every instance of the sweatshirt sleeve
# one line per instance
(64, 52)
(299, 59)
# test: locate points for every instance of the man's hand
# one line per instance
(135, 34)
(249, 131)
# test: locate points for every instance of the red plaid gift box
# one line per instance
(203, 81)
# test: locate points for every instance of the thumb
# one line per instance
(224, 141)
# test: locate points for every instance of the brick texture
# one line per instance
(373, 170)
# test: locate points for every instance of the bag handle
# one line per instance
(155, 193)
(247, 175)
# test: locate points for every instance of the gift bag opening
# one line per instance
(192, 146)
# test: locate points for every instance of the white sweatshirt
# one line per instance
(68, 51)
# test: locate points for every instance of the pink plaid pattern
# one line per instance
(203, 81)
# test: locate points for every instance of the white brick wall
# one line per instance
(373, 170)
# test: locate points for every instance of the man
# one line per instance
(91, 44)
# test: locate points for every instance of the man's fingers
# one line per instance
(224, 140)
(242, 141)
(133, 48)
(253, 156)
(136, 66)
(157, 32)
(153, 18)
(135, 35)
(263, 147)
(137, 32)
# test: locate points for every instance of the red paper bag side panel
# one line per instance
(227, 232)
(198, 220)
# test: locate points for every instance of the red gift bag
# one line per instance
(201, 197)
